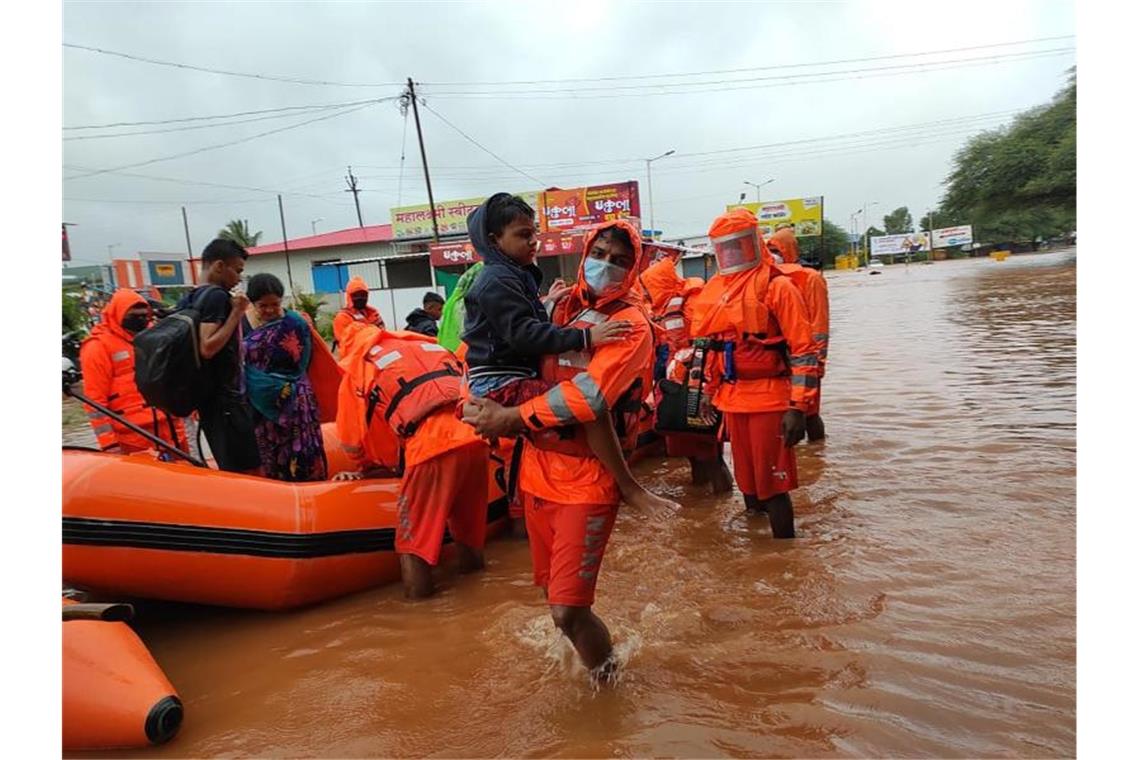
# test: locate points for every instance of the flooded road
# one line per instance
(927, 609)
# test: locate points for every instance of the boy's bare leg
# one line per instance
(602, 438)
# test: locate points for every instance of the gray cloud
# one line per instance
(449, 42)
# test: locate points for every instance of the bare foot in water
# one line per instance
(649, 502)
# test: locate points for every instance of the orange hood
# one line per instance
(629, 293)
(720, 305)
(662, 283)
(355, 285)
(785, 242)
(111, 320)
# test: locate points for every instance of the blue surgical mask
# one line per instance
(602, 277)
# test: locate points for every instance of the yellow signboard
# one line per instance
(451, 216)
(804, 215)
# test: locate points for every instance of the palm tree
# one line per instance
(238, 231)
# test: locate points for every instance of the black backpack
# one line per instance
(168, 366)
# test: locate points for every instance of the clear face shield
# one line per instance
(737, 252)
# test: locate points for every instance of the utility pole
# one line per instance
(411, 95)
(189, 250)
(352, 188)
(649, 177)
(285, 242)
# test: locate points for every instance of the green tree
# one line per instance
(1019, 182)
(824, 248)
(237, 230)
(898, 221)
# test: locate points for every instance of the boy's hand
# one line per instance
(558, 290)
(609, 332)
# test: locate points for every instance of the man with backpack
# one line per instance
(224, 414)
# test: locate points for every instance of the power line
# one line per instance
(200, 126)
(753, 68)
(157, 122)
(148, 202)
(749, 83)
(481, 172)
(218, 145)
(208, 70)
(180, 181)
(476, 143)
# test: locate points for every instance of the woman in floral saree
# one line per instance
(277, 353)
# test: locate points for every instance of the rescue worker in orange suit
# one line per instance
(813, 287)
(670, 301)
(754, 315)
(396, 416)
(107, 359)
(356, 309)
(570, 499)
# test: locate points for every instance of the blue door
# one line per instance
(329, 278)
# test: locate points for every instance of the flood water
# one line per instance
(928, 607)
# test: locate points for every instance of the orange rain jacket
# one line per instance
(348, 315)
(107, 359)
(812, 286)
(405, 377)
(762, 313)
(587, 387)
(670, 301)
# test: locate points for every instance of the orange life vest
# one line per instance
(418, 377)
(558, 368)
(756, 349)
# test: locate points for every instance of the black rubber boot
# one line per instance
(754, 506)
(781, 516)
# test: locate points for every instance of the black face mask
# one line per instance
(359, 302)
(134, 323)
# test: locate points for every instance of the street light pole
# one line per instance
(753, 184)
(649, 177)
(867, 230)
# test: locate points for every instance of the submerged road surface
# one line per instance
(927, 609)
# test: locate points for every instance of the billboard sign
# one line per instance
(899, 245)
(804, 215)
(566, 209)
(452, 254)
(948, 237)
(451, 216)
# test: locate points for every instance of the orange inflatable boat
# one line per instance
(137, 527)
(114, 694)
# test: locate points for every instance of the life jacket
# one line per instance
(558, 368)
(109, 348)
(410, 378)
(754, 349)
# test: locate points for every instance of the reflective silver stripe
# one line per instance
(120, 356)
(820, 337)
(808, 360)
(349, 448)
(95, 415)
(583, 382)
(676, 301)
(387, 359)
(557, 401)
(103, 429)
(591, 316)
(805, 380)
(575, 359)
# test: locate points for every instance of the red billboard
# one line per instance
(567, 209)
(452, 254)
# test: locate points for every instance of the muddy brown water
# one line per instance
(927, 608)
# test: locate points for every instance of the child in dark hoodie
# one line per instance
(507, 330)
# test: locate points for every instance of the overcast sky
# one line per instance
(464, 52)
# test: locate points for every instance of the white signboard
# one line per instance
(899, 245)
(948, 237)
